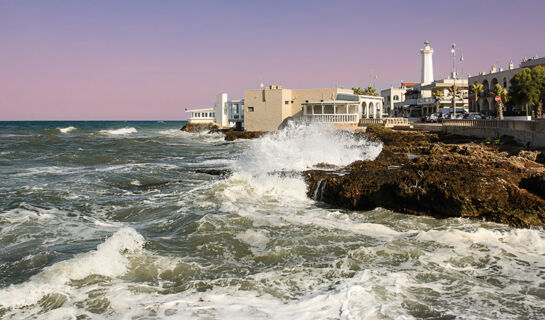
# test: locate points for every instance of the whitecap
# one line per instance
(67, 129)
(109, 260)
(121, 131)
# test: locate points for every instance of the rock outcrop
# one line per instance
(234, 135)
(199, 127)
(440, 176)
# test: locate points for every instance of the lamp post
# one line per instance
(453, 51)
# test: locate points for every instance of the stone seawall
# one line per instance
(530, 138)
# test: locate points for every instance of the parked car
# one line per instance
(475, 116)
(433, 117)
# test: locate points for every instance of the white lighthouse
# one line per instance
(427, 64)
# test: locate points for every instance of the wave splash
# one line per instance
(269, 169)
(121, 131)
(300, 146)
(67, 129)
(110, 259)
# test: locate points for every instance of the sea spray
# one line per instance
(300, 146)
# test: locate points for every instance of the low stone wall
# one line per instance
(525, 132)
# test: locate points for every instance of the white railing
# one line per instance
(365, 121)
(387, 122)
(510, 124)
(333, 118)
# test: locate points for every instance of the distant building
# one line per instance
(202, 116)
(394, 95)
(229, 113)
(266, 109)
(501, 77)
(235, 113)
(418, 99)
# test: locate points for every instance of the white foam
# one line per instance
(254, 238)
(300, 146)
(121, 131)
(67, 129)
(109, 259)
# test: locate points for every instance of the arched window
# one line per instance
(396, 98)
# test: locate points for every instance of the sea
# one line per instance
(111, 220)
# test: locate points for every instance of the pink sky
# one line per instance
(138, 60)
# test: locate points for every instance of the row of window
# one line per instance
(203, 114)
(396, 98)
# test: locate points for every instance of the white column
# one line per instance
(367, 110)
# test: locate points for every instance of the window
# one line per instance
(396, 98)
(250, 109)
(286, 102)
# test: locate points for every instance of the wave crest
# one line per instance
(67, 129)
(120, 131)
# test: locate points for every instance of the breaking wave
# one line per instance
(67, 129)
(121, 131)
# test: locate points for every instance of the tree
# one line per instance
(524, 90)
(477, 89)
(357, 90)
(455, 92)
(503, 95)
(370, 91)
(538, 79)
(437, 95)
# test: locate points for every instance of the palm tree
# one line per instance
(437, 95)
(477, 89)
(370, 91)
(357, 90)
(455, 92)
(502, 93)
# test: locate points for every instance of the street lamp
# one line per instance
(453, 51)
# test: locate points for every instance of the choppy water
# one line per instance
(109, 220)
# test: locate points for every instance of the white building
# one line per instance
(229, 112)
(202, 116)
(419, 99)
(393, 95)
(235, 113)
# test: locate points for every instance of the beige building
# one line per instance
(395, 95)
(501, 77)
(266, 109)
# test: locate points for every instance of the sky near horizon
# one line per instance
(149, 60)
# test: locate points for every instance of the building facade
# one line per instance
(486, 103)
(201, 116)
(266, 109)
(393, 95)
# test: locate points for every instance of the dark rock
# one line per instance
(199, 127)
(447, 180)
(214, 172)
(234, 135)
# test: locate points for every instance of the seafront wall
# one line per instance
(525, 132)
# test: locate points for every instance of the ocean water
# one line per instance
(109, 220)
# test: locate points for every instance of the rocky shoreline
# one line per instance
(230, 134)
(441, 176)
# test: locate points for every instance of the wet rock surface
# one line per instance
(234, 135)
(441, 176)
(199, 127)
